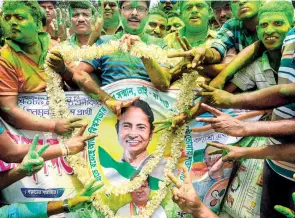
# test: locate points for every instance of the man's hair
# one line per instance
(32, 4)
(145, 108)
(158, 12)
(52, 2)
(173, 14)
(218, 2)
(278, 7)
(148, 2)
(84, 4)
(182, 2)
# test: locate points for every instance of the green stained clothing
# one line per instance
(18, 72)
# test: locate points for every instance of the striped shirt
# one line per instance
(258, 75)
(233, 34)
(286, 75)
(122, 65)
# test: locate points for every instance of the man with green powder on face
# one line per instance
(21, 66)
(118, 66)
(195, 15)
(111, 18)
(157, 23)
(236, 33)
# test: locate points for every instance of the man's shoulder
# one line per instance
(231, 24)
(125, 210)
(108, 38)
(290, 38)
(7, 53)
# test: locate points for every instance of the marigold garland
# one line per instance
(59, 110)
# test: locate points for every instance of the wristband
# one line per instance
(65, 206)
(52, 125)
(67, 149)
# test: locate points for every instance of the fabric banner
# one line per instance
(104, 154)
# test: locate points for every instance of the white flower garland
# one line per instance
(59, 110)
(138, 50)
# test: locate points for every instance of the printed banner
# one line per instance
(121, 149)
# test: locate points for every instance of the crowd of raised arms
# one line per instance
(243, 51)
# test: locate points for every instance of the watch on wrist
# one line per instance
(65, 206)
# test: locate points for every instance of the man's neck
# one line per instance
(135, 159)
(250, 24)
(274, 58)
(82, 39)
(192, 36)
(31, 48)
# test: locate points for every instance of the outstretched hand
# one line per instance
(184, 194)
(187, 63)
(216, 97)
(65, 127)
(229, 153)
(78, 142)
(117, 105)
(286, 211)
(33, 161)
(224, 123)
(171, 123)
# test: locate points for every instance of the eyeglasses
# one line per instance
(111, 4)
(139, 9)
(172, 1)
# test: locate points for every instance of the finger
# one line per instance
(75, 125)
(54, 58)
(174, 180)
(56, 53)
(35, 162)
(196, 61)
(88, 137)
(129, 102)
(206, 120)
(285, 211)
(218, 151)
(180, 54)
(95, 188)
(159, 129)
(176, 69)
(187, 44)
(77, 200)
(182, 44)
(187, 177)
(208, 88)
(212, 110)
(43, 149)
(34, 144)
(218, 145)
(74, 119)
(82, 130)
(90, 184)
(204, 94)
(118, 111)
(160, 121)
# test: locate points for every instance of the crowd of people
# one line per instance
(243, 51)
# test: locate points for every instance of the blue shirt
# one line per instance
(122, 65)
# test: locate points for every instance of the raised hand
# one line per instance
(65, 127)
(130, 40)
(77, 143)
(117, 105)
(184, 194)
(96, 28)
(224, 123)
(55, 61)
(286, 211)
(229, 153)
(91, 188)
(216, 97)
(33, 161)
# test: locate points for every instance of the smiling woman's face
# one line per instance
(134, 131)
